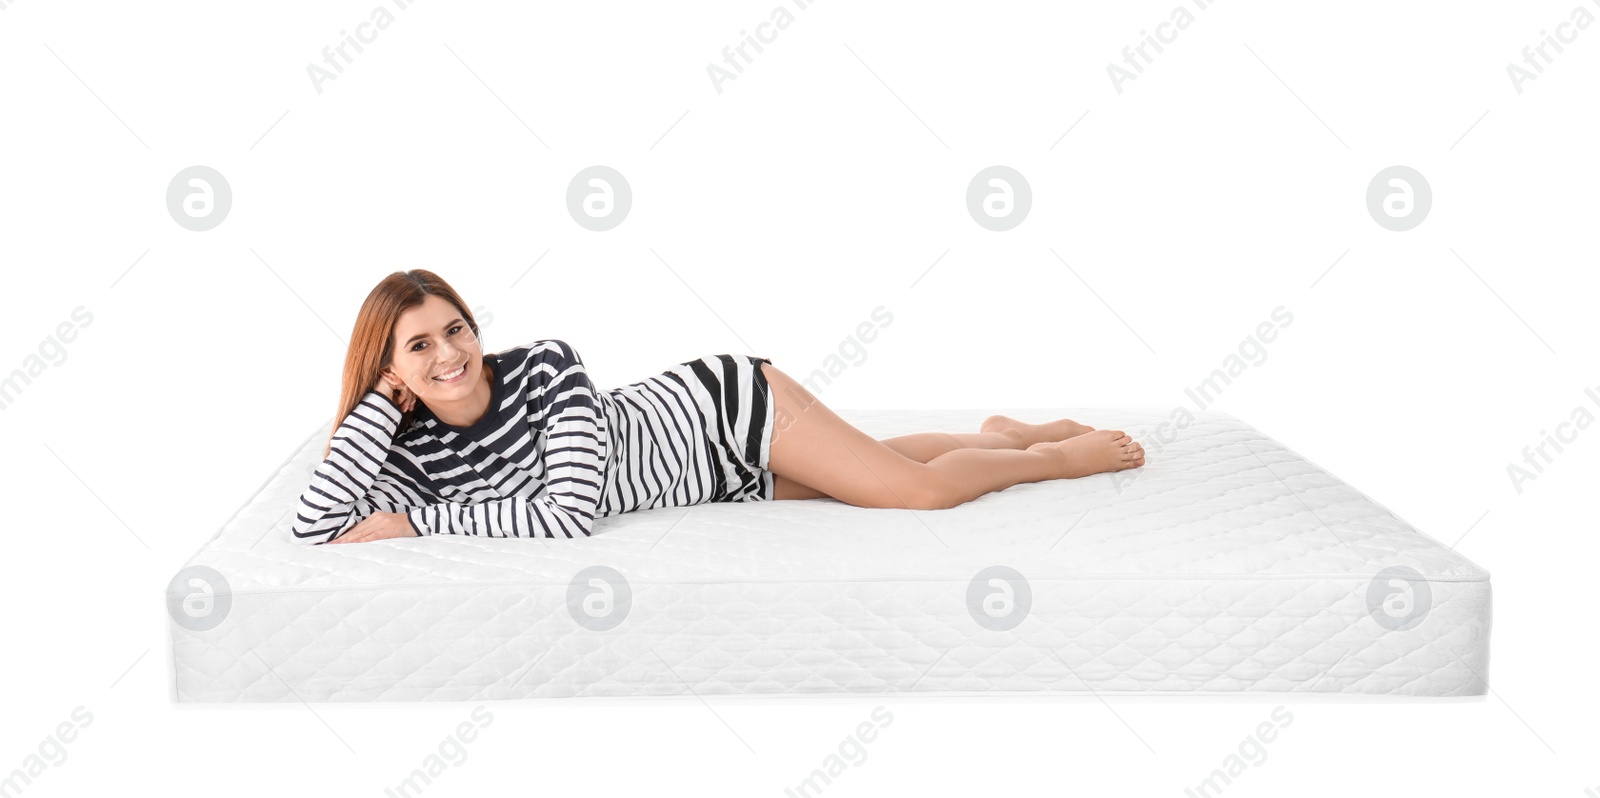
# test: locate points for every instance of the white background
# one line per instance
(771, 218)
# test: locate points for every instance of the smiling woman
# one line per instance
(520, 442)
(435, 333)
(440, 362)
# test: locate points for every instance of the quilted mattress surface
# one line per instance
(1227, 564)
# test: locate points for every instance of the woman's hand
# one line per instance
(401, 394)
(378, 526)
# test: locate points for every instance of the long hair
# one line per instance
(372, 341)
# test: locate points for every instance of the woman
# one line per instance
(438, 437)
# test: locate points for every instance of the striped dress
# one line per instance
(553, 453)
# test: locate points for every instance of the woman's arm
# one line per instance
(564, 404)
(355, 481)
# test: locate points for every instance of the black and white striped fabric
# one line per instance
(553, 453)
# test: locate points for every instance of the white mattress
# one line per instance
(1229, 564)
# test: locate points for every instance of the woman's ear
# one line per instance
(388, 376)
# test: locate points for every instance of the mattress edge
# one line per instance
(563, 583)
(205, 544)
(1359, 492)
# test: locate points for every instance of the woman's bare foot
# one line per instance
(1028, 434)
(1093, 452)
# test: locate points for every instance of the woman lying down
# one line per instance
(439, 438)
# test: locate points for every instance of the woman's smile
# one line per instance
(453, 376)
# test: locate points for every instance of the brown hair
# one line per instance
(372, 341)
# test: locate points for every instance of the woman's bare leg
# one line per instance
(999, 432)
(814, 449)
(1030, 434)
(922, 447)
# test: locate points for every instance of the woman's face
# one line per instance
(432, 340)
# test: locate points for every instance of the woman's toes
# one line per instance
(1132, 453)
